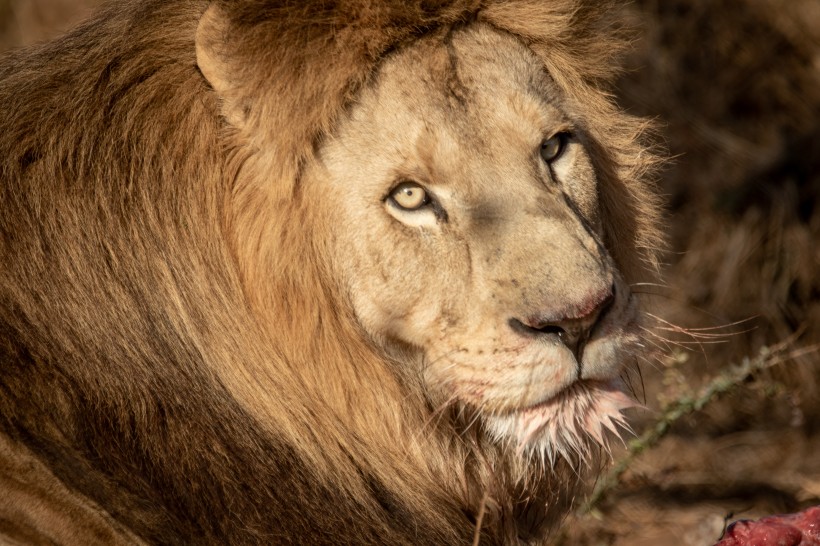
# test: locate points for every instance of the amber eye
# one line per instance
(553, 147)
(409, 196)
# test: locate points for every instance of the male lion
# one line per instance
(351, 272)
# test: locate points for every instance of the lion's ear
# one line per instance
(214, 61)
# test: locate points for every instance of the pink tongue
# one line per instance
(581, 411)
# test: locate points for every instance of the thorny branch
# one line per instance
(675, 410)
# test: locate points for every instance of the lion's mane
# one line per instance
(173, 351)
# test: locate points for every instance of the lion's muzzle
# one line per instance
(572, 326)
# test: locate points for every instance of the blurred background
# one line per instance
(734, 87)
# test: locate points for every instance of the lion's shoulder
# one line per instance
(36, 507)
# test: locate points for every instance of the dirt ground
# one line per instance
(734, 88)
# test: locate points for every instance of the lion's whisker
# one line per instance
(658, 285)
(694, 332)
(655, 362)
(660, 348)
(684, 344)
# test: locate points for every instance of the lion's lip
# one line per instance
(565, 391)
(579, 387)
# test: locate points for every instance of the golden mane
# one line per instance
(173, 347)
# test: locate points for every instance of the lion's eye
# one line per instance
(409, 196)
(553, 147)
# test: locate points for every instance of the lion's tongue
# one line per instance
(581, 411)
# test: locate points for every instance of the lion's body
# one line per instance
(197, 346)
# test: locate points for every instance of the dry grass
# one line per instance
(736, 87)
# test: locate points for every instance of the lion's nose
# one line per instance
(572, 326)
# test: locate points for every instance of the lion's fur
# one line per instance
(173, 349)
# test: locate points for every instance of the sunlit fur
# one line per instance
(180, 345)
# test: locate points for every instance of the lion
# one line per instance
(316, 273)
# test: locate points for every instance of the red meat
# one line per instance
(801, 529)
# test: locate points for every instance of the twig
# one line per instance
(726, 381)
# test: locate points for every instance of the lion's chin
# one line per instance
(564, 425)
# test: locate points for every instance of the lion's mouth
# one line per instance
(563, 425)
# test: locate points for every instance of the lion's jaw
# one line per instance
(505, 237)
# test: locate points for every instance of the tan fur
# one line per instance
(202, 323)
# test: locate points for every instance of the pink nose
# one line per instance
(572, 326)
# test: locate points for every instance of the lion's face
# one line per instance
(467, 229)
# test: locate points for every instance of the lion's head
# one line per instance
(376, 255)
(467, 233)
